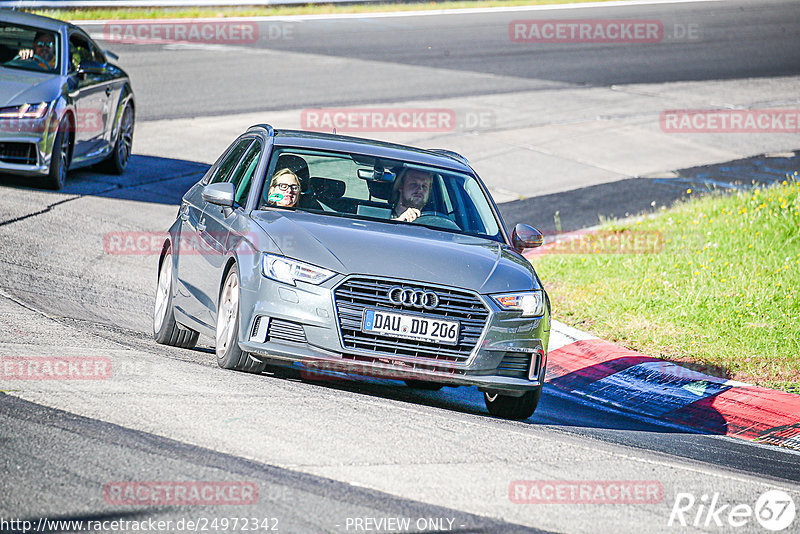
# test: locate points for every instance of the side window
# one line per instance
(243, 176)
(97, 54)
(228, 164)
(79, 50)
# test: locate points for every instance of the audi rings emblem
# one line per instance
(415, 298)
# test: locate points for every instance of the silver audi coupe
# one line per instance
(63, 104)
(343, 256)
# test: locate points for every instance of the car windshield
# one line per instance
(27, 48)
(365, 187)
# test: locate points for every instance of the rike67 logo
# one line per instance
(774, 510)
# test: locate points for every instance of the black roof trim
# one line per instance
(372, 147)
(268, 128)
(450, 154)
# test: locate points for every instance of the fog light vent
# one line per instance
(260, 327)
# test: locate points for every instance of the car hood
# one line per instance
(403, 251)
(25, 87)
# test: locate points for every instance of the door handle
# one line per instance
(201, 225)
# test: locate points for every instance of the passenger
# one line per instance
(43, 51)
(410, 194)
(284, 189)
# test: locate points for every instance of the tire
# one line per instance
(229, 355)
(59, 159)
(424, 385)
(165, 330)
(515, 408)
(121, 154)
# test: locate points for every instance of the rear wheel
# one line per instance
(165, 330)
(59, 159)
(229, 355)
(509, 407)
(118, 159)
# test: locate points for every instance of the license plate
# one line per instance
(410, 327)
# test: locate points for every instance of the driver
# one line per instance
(43, 52)
(284, 189)
(411, 193)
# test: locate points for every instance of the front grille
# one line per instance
(286, 331)
(356, 294)
(18, 153)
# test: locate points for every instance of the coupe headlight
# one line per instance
(290, 271)
(25, 111)
(531, 303)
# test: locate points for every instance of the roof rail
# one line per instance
(270, 130)
(452, 155)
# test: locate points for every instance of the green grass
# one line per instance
(266, 11)
(722, 296)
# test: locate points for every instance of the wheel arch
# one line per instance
(69, 118)
(125, 98)
(164, 248)
(228, 265)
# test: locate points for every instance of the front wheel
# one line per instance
(229, 355)
(59, 159)
(515, 408)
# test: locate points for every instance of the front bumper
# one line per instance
(300, 326)
(26, 146)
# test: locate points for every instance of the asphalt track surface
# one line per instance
(323, 451)
(368, 60)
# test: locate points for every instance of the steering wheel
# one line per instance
(436, 219)
(42, 63)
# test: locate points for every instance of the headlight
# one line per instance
(531, 303)
(289, 271)
(25, 111)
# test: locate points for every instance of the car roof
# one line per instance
(367, 147)
(36, 21)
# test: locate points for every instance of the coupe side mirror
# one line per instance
(220, 194)
(91, 67)
(525, 236)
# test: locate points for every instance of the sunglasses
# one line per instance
(44, 44)
(288, 187)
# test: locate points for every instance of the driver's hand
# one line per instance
(409, 215)
(26, 53)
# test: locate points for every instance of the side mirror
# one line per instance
(91, 67)
(220, 194)
(525, 236)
